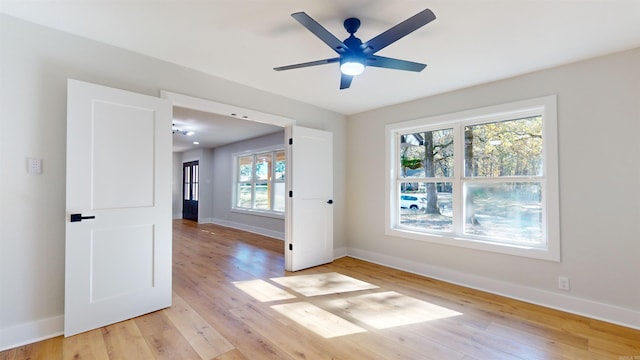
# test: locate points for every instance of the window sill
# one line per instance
(262, 213)
(549, 254)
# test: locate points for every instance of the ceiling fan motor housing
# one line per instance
(352, 25)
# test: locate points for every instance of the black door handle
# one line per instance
(330, 202)
(79, 217)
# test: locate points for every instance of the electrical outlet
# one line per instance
(563, 283)
(34, 166)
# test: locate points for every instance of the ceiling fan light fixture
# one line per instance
(176, 130)
(352, 67)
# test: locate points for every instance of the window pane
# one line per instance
(280, 165)
(262, 196)
(427, 154)
(426, 205)
(279, 196)
(506, 148)
(245, 168)
(511, 212)
(194, 183)
(186, 189)
(263, 166)
(243, 196)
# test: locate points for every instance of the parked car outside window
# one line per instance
(413, 202)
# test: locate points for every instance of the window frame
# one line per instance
(272, 151)
(545, 106)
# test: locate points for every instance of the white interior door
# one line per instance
(309, 235)
(118, 259)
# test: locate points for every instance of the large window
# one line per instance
(260, 181)
(485, 179)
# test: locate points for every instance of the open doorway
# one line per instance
(218, 136)
(307, 220)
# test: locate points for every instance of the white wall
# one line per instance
(599, 159)
(35, 63)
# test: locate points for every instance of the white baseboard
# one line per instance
(177, 216)
(571, 304)
(31, 332)
(252, 229)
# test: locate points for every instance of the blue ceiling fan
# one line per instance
(354, 55)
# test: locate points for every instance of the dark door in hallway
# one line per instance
(190, 190)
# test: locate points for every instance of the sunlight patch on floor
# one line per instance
(323, 284)
(389, 309)
(262, 290)
(317, 320)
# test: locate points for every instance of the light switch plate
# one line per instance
(34, 166)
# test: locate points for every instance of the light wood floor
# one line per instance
(230, 304)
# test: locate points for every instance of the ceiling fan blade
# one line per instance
(399, 31)
(345, 81)
(307, 64)
(390, 63)
(319, 31)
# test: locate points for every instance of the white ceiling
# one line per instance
(213, 130)
(470, 42)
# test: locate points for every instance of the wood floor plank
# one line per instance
(9, 354)
(234, 354)
(541, 346)
(124, 341)
(50, 349)
(204, 339)
(86, 346)
(164, 339)
(295, 340)
(205, 301)
(297, 346)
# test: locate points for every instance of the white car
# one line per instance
(412, 201)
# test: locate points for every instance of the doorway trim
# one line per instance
(214, 107)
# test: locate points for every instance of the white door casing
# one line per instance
(118, 264)
(309, 235)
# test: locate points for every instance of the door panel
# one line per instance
(309, 239)
(112, 155)
(134, 269)
(117, 264)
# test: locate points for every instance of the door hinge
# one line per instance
(290, 193)
(290, 141)
(291, 247)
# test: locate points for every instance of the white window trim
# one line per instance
(551, 220)
(255, 212)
